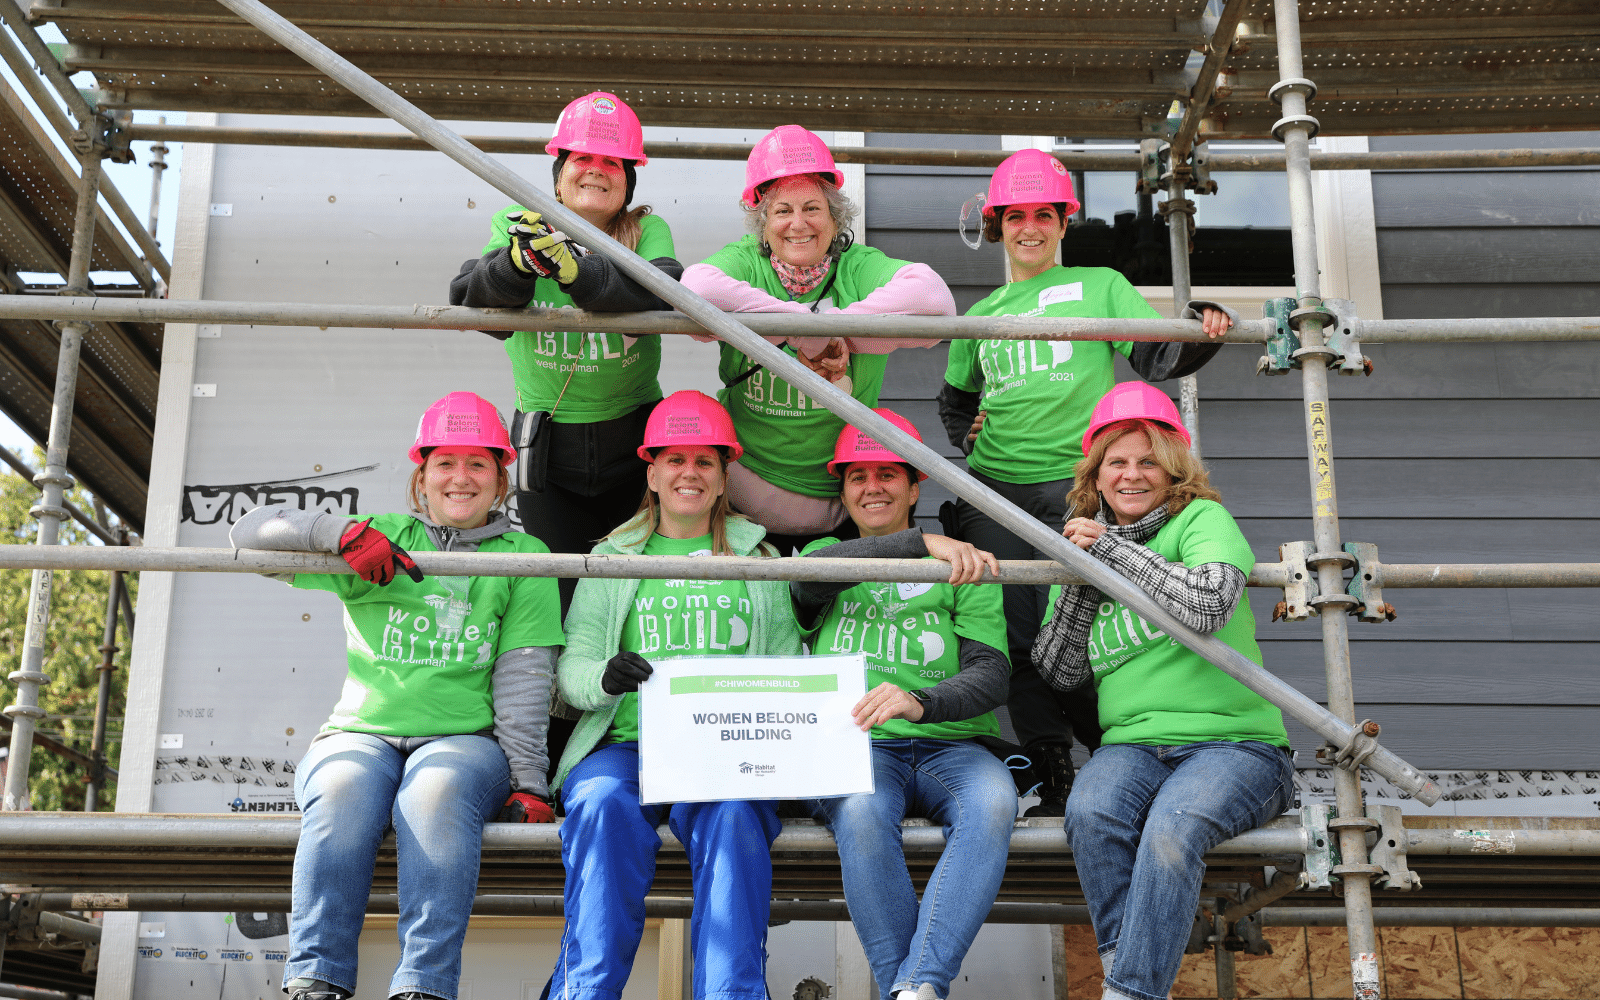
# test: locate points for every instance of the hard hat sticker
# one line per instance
(1059, 167)
(604, 105)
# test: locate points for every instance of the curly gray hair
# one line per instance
(840, 208)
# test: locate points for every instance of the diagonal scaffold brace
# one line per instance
(1324, 723)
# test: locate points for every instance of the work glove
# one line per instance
(540, 251)
(523, 807)
(624, 673)
(373, 556)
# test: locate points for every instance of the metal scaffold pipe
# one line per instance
(440, 317)
(187, 559)
(54, 482)
(1229, 660)
(1295, 129)
(1075, 159)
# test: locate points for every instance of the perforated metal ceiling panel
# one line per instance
(1107, 68)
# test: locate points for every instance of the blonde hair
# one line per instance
(1190, 481)
(417, 495)
(649, 516)
(625, 226)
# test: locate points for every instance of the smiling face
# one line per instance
(687, 480)
(1130, 479)
(460, 486)
(593, 186)
(799, 225)
(878, 497)
(1030, 234)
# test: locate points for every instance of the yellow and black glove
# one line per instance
(538, 250)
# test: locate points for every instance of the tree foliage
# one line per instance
(71, 649)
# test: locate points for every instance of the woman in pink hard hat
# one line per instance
(615, 629)
(1190, 757)
(935, 677)
(800, 258)
(442, 719)
(1018, 409)
(596, 389)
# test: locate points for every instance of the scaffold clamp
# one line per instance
(1153, 154)
(1361, 744)
(1340, 335)
(1299, 586)
(1366, 584)
(1200, 181)
(1322, 851)
(1389, 852)
(1281, 343)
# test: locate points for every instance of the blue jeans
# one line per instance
(609, 845)
(351, 787)
(1140, 819)
(965, 789)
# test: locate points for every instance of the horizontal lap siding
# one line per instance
(1447, 453)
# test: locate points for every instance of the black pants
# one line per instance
(595, 483)
(1039, 714)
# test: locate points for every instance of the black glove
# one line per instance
(624, 673)
(538, 250)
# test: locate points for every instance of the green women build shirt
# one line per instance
(680, 618)
(1155, 690)
(421, 655)
(1039, 394)
(911, 634)
(788, 437)
(616, 374)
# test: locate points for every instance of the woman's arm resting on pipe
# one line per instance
(811, 597)
(601, 286)
(289, 529)
(1202, 597)
(522, 680)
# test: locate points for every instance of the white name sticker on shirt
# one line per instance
(752, 727)
(1070, 292)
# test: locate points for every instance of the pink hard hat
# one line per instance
(1134, 401)
(602, 124)
(787, 151)
(689, 417)
(464, 419)
(854, 446)
(1028, 176)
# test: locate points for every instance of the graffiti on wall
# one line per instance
(227, 503)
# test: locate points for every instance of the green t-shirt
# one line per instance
(420, 654)
(616, 374)
(910, 634)
(788, 437)
(680, 618)
(1155, 690)
(1038, 393)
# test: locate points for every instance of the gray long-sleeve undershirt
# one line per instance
(522, 677)
(983, 678)
(493, 282)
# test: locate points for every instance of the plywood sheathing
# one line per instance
(1416, 963)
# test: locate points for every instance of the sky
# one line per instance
(132, 179)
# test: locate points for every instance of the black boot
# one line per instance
(314, 989)
(1052, 765)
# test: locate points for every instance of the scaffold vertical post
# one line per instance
(158, 165)
(108, 664)
(1295, 130)
(1178, 237)
(53, 482)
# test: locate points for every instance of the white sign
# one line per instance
(717, 728)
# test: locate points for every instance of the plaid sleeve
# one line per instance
(1202, 597)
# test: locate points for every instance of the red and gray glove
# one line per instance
(373, 556)
(538, 250)
(522, 807)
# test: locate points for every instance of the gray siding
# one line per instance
(1448, 453)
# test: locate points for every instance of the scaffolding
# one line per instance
(1251, 83)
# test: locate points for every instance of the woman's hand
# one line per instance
(966, 560)
(1214, 322)
(1082, 531)
(977, 425)
(885, 702)
(373, 556)
(830, 362)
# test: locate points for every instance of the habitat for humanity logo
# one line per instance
(759, 770)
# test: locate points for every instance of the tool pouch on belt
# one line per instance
(530, 435)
